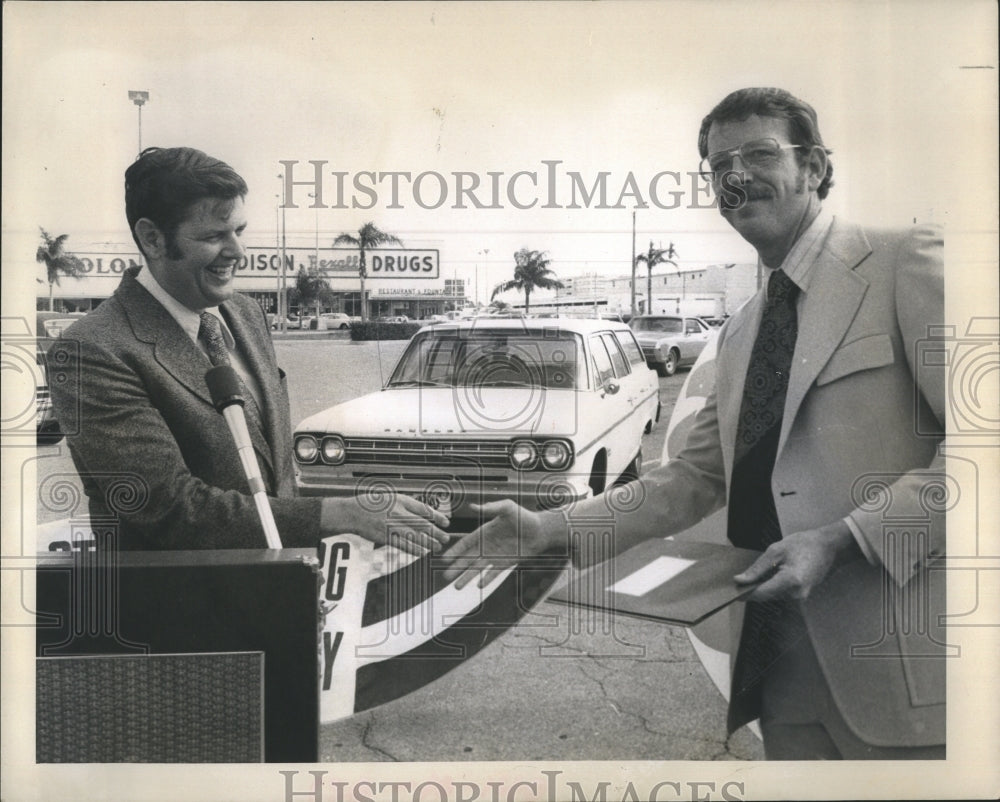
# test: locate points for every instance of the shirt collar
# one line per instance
(187, 319)
(798, 263)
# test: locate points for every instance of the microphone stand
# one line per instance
(227, 396)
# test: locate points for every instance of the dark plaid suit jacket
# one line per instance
(156, 459)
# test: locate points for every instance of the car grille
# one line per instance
(649, 351)
(369, 451)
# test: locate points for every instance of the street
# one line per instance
(562, 685)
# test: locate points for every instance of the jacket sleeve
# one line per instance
(666, 500)
(125, 446)
(923, 494)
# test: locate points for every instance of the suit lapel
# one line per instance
(178, 355)
(830, 305)
(172, 347)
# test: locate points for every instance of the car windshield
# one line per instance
(670, 325)
(491, 358)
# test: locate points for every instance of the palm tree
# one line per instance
(654, 257)
(311, 289)
(58, 261)
(531, 272)
(369, 236)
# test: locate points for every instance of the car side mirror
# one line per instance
(611, 387)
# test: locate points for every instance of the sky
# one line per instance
(902, 90)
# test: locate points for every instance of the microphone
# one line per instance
(227, 395)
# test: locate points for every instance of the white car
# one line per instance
(338, 320)
(670, 341)
(542, 412)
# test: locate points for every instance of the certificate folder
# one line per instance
(675, 581)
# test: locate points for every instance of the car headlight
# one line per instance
(306, 448)
(523, 455)
(556, 454)
(333, 450)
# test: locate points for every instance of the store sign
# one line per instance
(108, 264)
(342, 262)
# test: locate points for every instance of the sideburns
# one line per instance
(170, 242)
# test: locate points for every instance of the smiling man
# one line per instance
(157, 462)
(822, 437)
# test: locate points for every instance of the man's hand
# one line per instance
(794, 566)
(511, 534)
(407, 524)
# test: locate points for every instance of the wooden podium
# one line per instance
(185, 656)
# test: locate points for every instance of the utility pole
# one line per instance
(633, 263)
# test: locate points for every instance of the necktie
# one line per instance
(210, 332)
(769, 627)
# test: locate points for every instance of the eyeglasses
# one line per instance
(761, 153)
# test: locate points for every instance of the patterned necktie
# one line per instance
(769, 628)
(210, 332)
(770, 365)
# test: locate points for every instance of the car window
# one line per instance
(618, 359)
(626, 339)
(692, 327)
(603, 368)
(667, 325)
(485, 358)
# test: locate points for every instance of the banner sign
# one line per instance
(392, 624)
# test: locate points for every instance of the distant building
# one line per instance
(712, 291)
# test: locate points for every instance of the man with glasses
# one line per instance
(821, 435)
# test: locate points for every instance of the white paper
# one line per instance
(651, 576)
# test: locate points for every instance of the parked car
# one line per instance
(338, 320)
(49, 326)
(541, 412)
(292, 321)
(670, 341)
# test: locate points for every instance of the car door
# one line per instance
(617, 405)
(634, 389)
(694, 340)
(647, 386)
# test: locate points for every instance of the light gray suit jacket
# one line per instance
(157, 461)
(863, 422)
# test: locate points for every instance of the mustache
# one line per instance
(733, 195)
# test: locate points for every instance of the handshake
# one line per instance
(510, 533)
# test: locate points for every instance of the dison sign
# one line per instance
(344, 262)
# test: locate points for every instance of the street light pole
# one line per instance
(316, 209)
(486, 273)
(139, 98)
(282, 292)
(278, 313)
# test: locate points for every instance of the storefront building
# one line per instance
(400, 281)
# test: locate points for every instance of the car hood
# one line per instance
(445, 411)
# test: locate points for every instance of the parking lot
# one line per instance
(562, 685)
